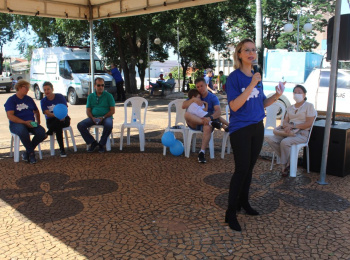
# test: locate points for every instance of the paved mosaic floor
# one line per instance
(133, 205)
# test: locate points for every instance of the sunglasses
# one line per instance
(100, 85)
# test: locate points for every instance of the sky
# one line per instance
(10, 49)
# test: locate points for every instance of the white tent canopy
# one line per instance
(94, 9)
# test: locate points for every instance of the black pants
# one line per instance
(246, 144)
(120, 91)
(55, 125)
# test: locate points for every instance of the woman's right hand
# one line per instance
(287, 129)
(256, 78)
(28, 124)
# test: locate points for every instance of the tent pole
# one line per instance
(92, 51)
(327, 129)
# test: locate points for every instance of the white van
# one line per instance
(67, 68)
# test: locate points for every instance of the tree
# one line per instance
(275, 16)
(6, 34)
(200, 28)
(124, 41)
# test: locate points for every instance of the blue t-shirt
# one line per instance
(208, 81)
(252, 111)
(116, 75)
(212, 101)
(47, 104)
(23, 107)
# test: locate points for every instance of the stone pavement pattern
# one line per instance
(143, 205)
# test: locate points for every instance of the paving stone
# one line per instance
(143, 205)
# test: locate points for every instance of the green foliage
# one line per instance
(275, 15)
(175, 73)
(6, 34)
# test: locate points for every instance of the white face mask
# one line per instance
(298, 97)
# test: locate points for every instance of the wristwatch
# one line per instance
(211, 117)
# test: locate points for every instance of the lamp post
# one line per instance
(289, 27)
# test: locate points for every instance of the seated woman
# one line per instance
(24, 118)
(299, 116)
(54, 124)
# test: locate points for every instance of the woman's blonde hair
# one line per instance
(237, 61)
(21, 83)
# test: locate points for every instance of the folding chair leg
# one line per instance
(293, 161)
(272, 161)
(211, 147)
(142, 139)
(52, 145)
(121, 137)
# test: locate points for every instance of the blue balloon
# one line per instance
(60, 111)
(177, 148)
(168, 139)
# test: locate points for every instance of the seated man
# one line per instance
(100, 107)
(157, 84)
(197, 123)
(169, 84)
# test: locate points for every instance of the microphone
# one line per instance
(256, 69)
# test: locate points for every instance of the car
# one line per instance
(5, 84)
(317, 85)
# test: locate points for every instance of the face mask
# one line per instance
(298, 97)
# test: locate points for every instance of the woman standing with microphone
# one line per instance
(247, 101)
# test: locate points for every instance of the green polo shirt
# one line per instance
(100, 105)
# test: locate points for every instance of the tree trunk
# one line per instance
(117, 31)
(184, 71)
(142, 73)
(1, 61)
(132, 76)
(131, 41)
(259, 32)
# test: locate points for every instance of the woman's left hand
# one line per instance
(287, 129)
(280, 88)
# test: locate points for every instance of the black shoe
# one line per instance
(201, 157)
(25, 156)
(101, 148)
(216, 125)
(92, 147)
(226, 130)
(63, 153)
(249, 210)
(232, 221)
(32, 159)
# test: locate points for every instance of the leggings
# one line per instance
(246, 144)
(55, 125)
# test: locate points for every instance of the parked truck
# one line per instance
(68, 69)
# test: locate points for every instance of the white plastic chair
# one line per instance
(136, 120)
(191, 138)
(97, 136)
(15, 146)
(226, 136)
(65, 130)
(271, 117)
(180, 122)
(294, 152)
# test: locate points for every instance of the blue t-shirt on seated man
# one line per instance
(196, 122)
